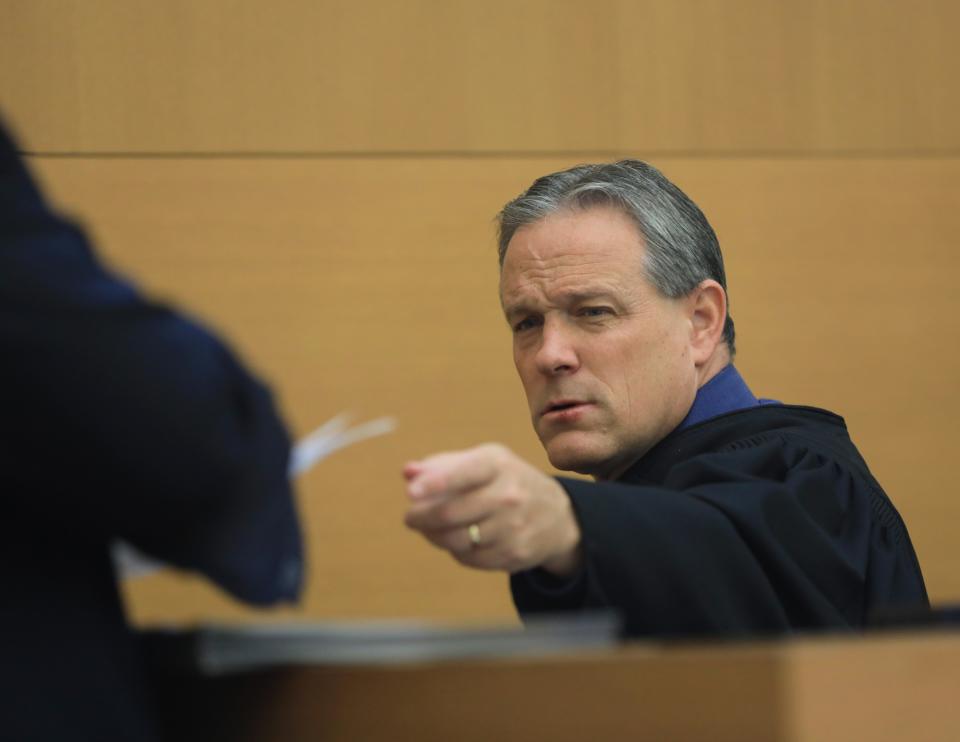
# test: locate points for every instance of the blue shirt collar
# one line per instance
(725, 392)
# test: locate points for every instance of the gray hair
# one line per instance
(682, 248)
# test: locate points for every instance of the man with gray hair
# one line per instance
(712, 512)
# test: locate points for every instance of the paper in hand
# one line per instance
(332, 436)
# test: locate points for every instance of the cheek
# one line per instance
(521, 362)
(527, 373)
(646, 371)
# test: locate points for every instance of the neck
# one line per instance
(713, 365)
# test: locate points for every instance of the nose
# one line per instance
(557, 353)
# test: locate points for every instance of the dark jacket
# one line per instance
(118, 419)
(762, 521)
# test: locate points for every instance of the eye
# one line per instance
(594, 312)
(525, 323)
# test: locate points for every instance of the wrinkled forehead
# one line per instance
(574, 250)
(574, 219)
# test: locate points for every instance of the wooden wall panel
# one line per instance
(355, 266)
(685, 76)
(370, 284)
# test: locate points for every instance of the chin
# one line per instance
(576, 458)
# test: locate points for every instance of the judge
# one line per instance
(712, 512)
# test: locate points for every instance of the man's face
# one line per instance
(604, 358)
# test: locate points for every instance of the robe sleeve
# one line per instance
(762, 538)
(124, 419)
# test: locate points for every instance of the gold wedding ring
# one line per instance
(474, 532)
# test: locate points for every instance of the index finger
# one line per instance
(454, 472)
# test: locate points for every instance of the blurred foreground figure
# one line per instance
(118, 419)
(712, 512)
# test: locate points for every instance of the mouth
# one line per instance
(563, 408)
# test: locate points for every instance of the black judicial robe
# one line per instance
(118, 419)
(757, 522)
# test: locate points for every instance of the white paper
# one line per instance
(332, 436)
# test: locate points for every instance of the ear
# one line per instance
(708, 313)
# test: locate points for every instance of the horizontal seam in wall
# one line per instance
(513, 154)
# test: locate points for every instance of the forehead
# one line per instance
(571, 251)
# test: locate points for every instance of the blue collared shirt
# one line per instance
(725, 392)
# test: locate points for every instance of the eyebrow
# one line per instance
(570, 297)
